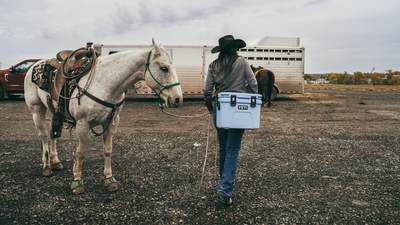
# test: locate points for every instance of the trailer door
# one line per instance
(188, 64)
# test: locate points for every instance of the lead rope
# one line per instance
(205, 160)
(72, 143)
(208, 138)
(197, 116)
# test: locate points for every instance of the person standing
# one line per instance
(228, 73)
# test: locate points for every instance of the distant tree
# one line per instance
(333, 78)
(347, 78)
(307, 77)
(377, 78)
(339, 78)
(395, 80)
(359, 78)
(389, 74)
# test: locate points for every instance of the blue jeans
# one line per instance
(230, 141)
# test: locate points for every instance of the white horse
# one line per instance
(113, 75)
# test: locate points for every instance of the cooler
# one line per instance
(238, 110)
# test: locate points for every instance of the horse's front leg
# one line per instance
(82, 130)
(110, 183)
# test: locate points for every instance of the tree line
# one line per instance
(388, 78)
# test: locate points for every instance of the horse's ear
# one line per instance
(161, 46)
(155, 46)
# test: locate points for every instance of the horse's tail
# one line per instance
(270, 85)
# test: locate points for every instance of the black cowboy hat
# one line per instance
(228, 41)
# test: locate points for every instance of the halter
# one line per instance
(164, 86)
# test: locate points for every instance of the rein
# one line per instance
(160, 100)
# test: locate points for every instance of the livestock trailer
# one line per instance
(282, 55)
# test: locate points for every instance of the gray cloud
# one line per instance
(337, 35)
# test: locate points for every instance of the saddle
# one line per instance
(58, 77)
(71, 65)
(258, 70)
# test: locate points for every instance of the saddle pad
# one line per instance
(37, 73)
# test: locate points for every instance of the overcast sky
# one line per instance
(338, 35)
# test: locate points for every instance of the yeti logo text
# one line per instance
(243, 107)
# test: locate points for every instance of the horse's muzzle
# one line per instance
(174, 102)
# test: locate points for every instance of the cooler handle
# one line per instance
(253, 101)
(233, 100)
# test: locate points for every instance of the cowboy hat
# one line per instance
(228, 41)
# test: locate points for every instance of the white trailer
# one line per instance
(283, 56)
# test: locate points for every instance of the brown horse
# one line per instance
(266, 80)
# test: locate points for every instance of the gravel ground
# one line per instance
(325, 157)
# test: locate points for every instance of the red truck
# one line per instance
(12, 80)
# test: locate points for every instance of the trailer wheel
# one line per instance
(1, 92)
(274, 93)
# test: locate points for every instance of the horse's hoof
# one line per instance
(112, 187)
(78, 191)
(77, 187)
(47, 172)
(111, 184)
(58, 166)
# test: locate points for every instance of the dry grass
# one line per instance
(343, 87)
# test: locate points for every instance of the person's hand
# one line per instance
(210, 107)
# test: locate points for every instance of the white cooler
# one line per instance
(238, 110)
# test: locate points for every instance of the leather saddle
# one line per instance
(68, 65)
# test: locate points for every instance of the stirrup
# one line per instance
(109, 181)
(77, 183)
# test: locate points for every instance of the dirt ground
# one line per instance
(325, 157)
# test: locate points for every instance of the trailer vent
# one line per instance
(298, 59)
(259, 58)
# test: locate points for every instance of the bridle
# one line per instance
(160, 100)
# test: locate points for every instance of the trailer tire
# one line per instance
(274, 92)
(1, 92)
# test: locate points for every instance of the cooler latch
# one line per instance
(253, 101)
(233, 100)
